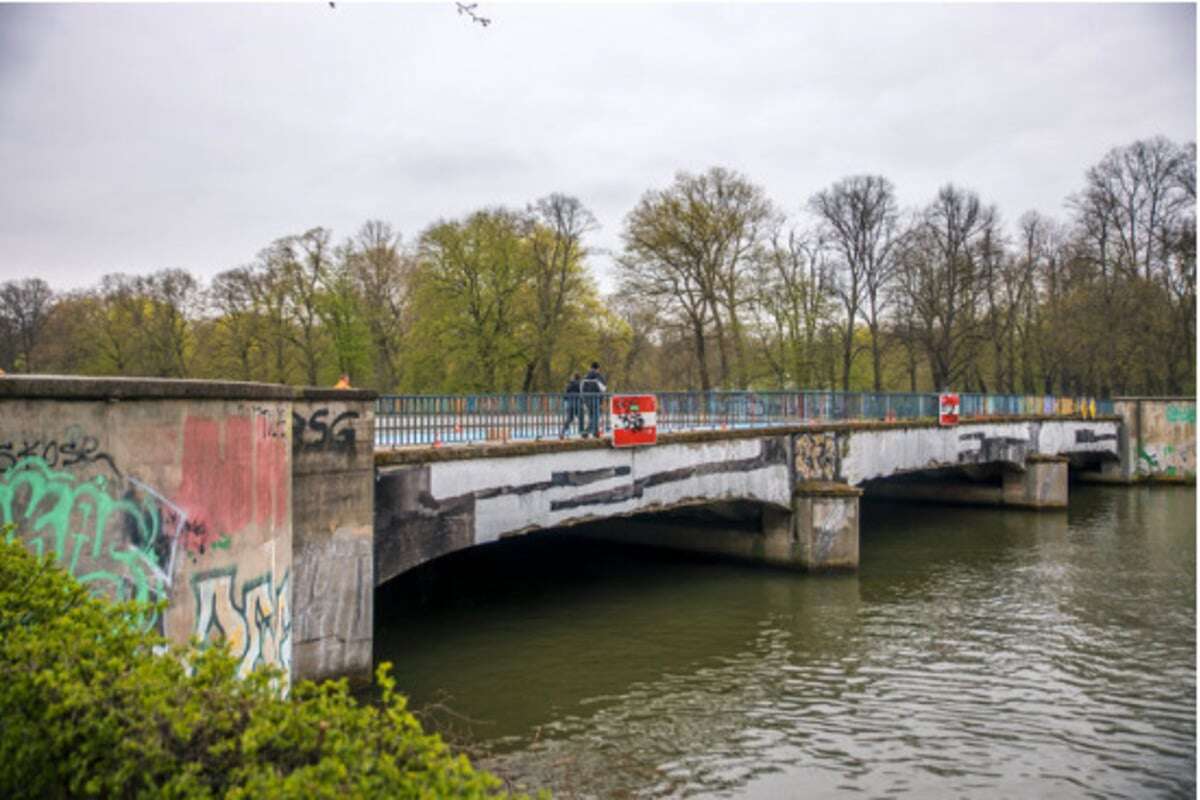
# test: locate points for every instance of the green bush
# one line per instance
(91, 706)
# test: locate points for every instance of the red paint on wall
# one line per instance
(233, 475)
(272, 478)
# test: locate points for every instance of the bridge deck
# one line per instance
(425, 451)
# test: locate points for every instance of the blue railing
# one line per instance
(406, 420)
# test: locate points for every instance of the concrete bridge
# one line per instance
(265, 514)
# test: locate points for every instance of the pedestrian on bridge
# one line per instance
(574, 406)
(593, 389)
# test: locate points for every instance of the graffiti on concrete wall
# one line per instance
(253, 616)
(317, 432)
(116, 536)
(1181, 413)
(1167, 460)
(70, 448)
(125, 537)
(982, 447)
(829, 521)
(218, 457)
(816, 456)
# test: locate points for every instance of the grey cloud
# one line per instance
(139, 137)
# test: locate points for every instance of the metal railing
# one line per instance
(407, 420)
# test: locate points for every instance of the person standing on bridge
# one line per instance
(574, 407)
(593, 389)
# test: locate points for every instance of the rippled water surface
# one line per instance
(977, 653)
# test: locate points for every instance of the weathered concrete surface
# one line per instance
(854, 456)
(188, 491)
(825, 519)
(184, 497)
(424, 511)
(771, 541)
(1042, 484)
(333, 491)
(430, 502)
(1160, 438)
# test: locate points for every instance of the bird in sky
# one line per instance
(469, 10)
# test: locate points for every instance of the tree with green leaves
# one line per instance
(692, 247)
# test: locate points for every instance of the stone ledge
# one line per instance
(825, 489)
(1042, 458)
(328, 393)
(70, 387)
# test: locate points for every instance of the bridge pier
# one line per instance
(1042, 485)
(825, 525)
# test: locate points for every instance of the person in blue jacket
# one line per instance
(573, 405)
(594, 386)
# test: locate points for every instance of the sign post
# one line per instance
(634, 419)
(948, 409)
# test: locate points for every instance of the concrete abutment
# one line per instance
(246, 507)
(333, 532)
(825, 519)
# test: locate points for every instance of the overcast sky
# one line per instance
(134, 138)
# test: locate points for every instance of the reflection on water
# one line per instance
(976, 653)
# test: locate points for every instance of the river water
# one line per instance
(976, 653)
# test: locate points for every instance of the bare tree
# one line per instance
(1131, 199)
(24, 309)
(860, 218)
(941, 281)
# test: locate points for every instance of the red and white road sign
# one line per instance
(634, 419)
(948, 409)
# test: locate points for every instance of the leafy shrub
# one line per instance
(91, 706)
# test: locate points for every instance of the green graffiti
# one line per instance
(223, 543)
(1181, 413)
(114, 545)
(1150, 460)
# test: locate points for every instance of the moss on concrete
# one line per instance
(825, 489)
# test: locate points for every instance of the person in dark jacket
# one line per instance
(594, 387)
(574, 406)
